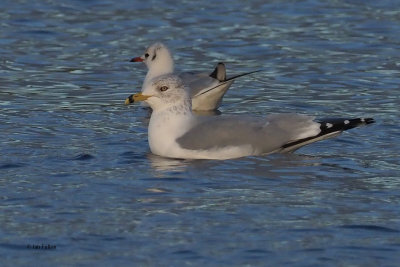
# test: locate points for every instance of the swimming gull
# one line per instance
(175, 132)
(206, 90)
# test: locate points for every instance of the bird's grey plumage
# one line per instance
(198, 81)
(263, 134)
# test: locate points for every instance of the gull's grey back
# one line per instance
(263, 134)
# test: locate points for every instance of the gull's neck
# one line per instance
(164, 65)
(172, 117)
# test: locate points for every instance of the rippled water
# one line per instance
(76, 171)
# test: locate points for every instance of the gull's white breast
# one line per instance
(164, 129)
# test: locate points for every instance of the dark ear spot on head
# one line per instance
(154, 57)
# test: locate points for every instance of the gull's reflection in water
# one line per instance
(167, 164)
(257, 164)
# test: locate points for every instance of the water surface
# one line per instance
(76, 171)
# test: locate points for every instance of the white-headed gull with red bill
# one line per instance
(175, 132)
(206, 89)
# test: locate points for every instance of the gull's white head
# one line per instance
(158, 60)
(165, 91)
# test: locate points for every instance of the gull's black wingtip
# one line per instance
(219, 72)
(368, 120)
(243, 74)
(333, 125)
(329, 128)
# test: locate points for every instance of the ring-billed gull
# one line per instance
(175, 132)
(206, 90)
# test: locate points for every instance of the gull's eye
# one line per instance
(163, 88)
(146, 55)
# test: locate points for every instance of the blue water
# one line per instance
(76, 171)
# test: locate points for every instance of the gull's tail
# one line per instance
(219, 73)
(329, 128)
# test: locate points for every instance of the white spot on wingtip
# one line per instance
(346, 122)
(362, 119)
(329, 125)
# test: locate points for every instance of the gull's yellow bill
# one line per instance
(136, 98)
